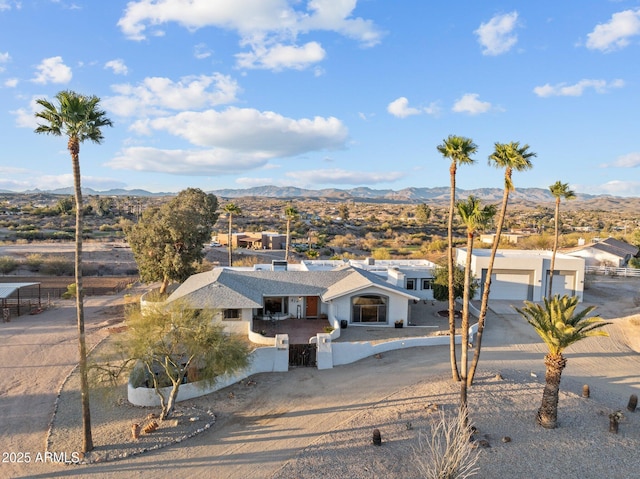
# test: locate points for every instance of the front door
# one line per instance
(311, 307)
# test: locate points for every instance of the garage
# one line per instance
(563, 283)
(512, 284)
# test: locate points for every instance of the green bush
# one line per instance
(7, 264)
(70, 292)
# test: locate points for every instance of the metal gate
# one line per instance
(302, 355)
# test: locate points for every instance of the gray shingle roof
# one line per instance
(231, 289)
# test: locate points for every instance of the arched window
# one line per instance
(369, 308)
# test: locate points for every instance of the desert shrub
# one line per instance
(57, 267)
(34, 261)
(446, 452)
(70, 292)
(7, 264)
(63, 235)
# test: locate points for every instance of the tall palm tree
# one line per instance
(231, 209)
(559, 326)
(79, 118)
(510, 156)
(458, 150)
(291, 214)
(475, 217)
(558, 190)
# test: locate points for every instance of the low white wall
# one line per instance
(263, 360)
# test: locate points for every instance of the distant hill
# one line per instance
(527, 197)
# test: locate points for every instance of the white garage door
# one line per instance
(563, 283)
(516, 285)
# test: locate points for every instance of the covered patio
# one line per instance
(13, 304)
(299, 330)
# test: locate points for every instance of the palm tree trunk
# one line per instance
(286, 249)
(229, 239)
(87, 439)
(450, 264)
(555, 248)
(548, 413)
(484, 304)
(464, 355)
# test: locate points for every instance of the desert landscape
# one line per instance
(306, 423)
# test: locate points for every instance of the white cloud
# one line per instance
(248, 130)
(269, 28)
(232, 141)
(220, 161)
(25, 117)
(400, 108)
(52, 70)
(577, 89)
(630, 160)
(117, 66)
(201, 51)
(278, 57)
(156, 95)
(615, 34)
(469, 103)
(8, 5)
(11, 82)
(496, 36)
(343, 177)
(4, 58)
(616, 188)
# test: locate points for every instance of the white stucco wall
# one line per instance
(398, 306)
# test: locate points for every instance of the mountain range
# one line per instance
(436, 195)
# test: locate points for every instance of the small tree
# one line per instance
(559, 326)
(231, 209)
(423, 213)
(175, 342)
(558, 190)
(167, 242)
(291, 214)
(441, 283)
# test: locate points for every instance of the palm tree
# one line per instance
(475, 217)
(559, 326)
(510, 156)
(79, 118)
(558, 190)
(458, 149)
(231, 209)
(291, 213)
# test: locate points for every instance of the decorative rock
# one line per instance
(585, 391)
(484, 443)
(506, 439)
(498, 377)
(633, 403)
(377, 438)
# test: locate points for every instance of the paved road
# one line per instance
(286, 411)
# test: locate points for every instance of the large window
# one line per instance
(275, 305)
(369, 308)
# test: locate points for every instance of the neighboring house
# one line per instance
(262, 240)
(608, 252)
(348, 293)
(512, 238)
(524, 274)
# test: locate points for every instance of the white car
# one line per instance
(214, 244)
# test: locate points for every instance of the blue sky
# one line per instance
(324, 93)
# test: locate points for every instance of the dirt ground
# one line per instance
(285, 424)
